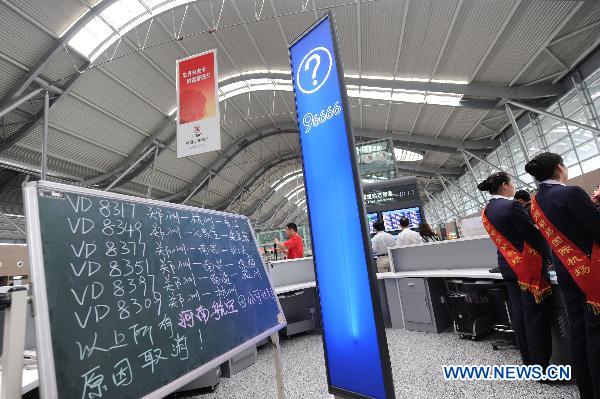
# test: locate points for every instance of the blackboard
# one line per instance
(136, 297)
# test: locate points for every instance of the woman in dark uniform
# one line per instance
(570, 223)
(523, 256)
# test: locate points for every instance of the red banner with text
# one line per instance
(198, 127)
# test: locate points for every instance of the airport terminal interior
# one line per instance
(300, 199)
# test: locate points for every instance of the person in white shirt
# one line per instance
(407, 236)
(380, 243)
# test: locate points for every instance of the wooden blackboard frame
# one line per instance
(47, 370)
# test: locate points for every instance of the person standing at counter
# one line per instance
(427, 234)
(294, 246)
(570, 223)
(523, 255)
(407, 236)
(524, 198)
(380, 243)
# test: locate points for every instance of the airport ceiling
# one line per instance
(430, 74)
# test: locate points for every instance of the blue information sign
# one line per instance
(356, 351)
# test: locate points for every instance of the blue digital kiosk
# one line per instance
(356, 351)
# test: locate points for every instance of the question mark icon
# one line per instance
(317, 61)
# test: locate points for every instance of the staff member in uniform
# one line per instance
(293, 247)
(380, 242)
(523, 255)
(571, 224)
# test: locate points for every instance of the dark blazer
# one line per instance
(513, 221)
(572, 212)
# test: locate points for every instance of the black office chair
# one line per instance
(498, 297)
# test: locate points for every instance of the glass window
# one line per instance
(570, 158)
(548, 123)
(581, 136)
(561, 146)
(587, 150)
(557, 133)
(591, 164)
(574, 171)
(571, 107)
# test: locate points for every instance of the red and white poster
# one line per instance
(198, 127)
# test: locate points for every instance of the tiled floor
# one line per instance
(416, 362)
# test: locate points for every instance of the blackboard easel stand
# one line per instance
(14, 303)
(278, 370)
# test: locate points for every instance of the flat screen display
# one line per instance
(372, 218)
(391, 219)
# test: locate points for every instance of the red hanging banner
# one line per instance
(198, 121)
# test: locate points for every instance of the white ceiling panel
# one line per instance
(108, 94)
(54, 15)
(474, 32)
(427, 24)
(10, 75)
(529, 30)
(96, 126)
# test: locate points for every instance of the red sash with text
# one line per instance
(584, 268)
(526, 264)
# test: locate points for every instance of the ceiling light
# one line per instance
(403, 155)
(303, 200)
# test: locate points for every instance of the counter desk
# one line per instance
(295, 285)
(423, 274)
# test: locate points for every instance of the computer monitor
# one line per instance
(372, 218)
(391, 219)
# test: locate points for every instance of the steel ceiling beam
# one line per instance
(411, 167)
(470, 89)
(15, 103)
(219, 164)
(443, 143)
(33, 73)
(141, 148)
(274, 208)
(26, 129)
(254, 176)
(259, 201)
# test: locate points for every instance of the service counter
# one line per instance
(295, 285)
(424, 274)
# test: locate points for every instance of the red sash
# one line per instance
(584, 268)
(527, 264)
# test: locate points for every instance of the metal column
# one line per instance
(133, 165)
(442, 178)
(13, 224)
(431, 198)
(472, 173)
(151, 185)
(498, 168)
(554, 116)
(45, 137)
(515, 126)
(449, 196)
(15, 104)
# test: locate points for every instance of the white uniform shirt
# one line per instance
(409, 237)
(381, 242)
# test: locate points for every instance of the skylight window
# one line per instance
(90, 36)
(115, 21)
(122, 12)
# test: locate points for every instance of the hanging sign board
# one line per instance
(198, 128)
(356, 351)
